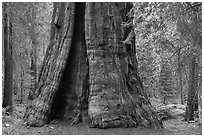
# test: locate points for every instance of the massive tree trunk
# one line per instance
(99, 74)
(116, 95)
(38, 113)
(8, 59)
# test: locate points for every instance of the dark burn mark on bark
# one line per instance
(66, 99)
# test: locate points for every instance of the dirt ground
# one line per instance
(171, 127)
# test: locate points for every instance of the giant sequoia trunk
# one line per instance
(116, 95)
(38, 113)
(99, 71)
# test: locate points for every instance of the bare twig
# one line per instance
(176, 52)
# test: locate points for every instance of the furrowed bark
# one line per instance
(38, 113)
(116, 95)
(107, 84)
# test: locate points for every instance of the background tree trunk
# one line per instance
(21, 84)
(31, 15)
(8, 59)
(192, 103)
(180, 75)
(192, 100)
(38, 113)
(116, 95)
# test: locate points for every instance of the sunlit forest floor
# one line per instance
(14, 126)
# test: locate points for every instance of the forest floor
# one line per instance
(171, 127)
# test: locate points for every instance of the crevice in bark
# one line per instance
(66, 102)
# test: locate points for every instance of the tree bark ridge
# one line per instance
(38, 113)
(116, 93)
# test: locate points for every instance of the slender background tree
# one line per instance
(8, 58)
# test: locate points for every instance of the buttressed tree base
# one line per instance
(91, 69)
